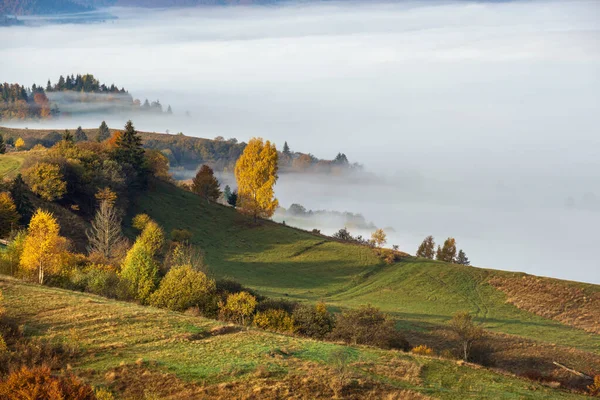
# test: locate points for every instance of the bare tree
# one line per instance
(105, 235)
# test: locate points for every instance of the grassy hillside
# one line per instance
(10, 164)
(140, 351)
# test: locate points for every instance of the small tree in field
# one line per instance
(19, 144)
(205, 184)
(467, 332)
(80, 135)
(239, 307)
(44, 249)
(182, 288)
(379, 238)
(427, 248)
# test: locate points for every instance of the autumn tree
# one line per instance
(140, 268)
(105, 235)
(80, 135)
(46, 180)
(379, 238)
(256, 174)
(107, 195)
(103, 132)
(427, 248)
(19, 144)
(462, 258)
(9, 217)
(205, 184)
(44, 249)
(448, 252)
(466, 331)
(239, 307)
(2, 145)
(158, 164)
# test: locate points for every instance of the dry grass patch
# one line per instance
(577, 305)
(395, 368)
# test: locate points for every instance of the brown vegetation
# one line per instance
(569, 304)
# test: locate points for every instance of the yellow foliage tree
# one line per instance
(19, 144)
(44, 250)
(9, 217)
(256, 174)
(46, 180)
(379, 238)
(239, 307)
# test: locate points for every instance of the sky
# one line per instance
(473, 120)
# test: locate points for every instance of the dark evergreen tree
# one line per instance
(427, 248)
(462, 258)
(2, 145)
(226, 192)
(68, 136)
(103, 132)
(61, 83)
(49, 86)
(341, 159)
(169, 110)
(286, 149)
(80, 135)
(233, 197)
(18, 192)
(146, 105)
(129, 149)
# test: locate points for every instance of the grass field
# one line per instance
(135, 350)
(10, 164)
(285, 262)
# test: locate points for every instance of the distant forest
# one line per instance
(68, 96)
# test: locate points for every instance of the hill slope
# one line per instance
(140, 351)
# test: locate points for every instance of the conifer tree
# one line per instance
(129, 149)
(68, 136)
(462, 258)
(80, 135)
(286, 149)
(169, 110)
(103, 132)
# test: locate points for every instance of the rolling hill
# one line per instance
(528, 328)
(141, 352)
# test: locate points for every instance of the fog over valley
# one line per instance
(472, 120)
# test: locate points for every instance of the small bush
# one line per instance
(140, 221)
(368, 325)
(238, 307)
(182, 288)
(38, 383)
(422, 350)
(275, 320)
(594, 388)
(313, 321)
(181, 235)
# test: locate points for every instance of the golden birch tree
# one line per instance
(256, 174)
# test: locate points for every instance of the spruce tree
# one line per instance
(2, 145)
(462, 258)
(103, 132)
(80, 135)
(169, 110)
(286, 149)
(129, 149)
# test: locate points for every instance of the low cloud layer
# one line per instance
(481, 119)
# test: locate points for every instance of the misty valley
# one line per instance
(299, 199)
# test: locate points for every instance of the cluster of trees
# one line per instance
(67, 96)
(348, 219)
(446, 253)
(17, 102)
(378, 238)
(301, 162)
